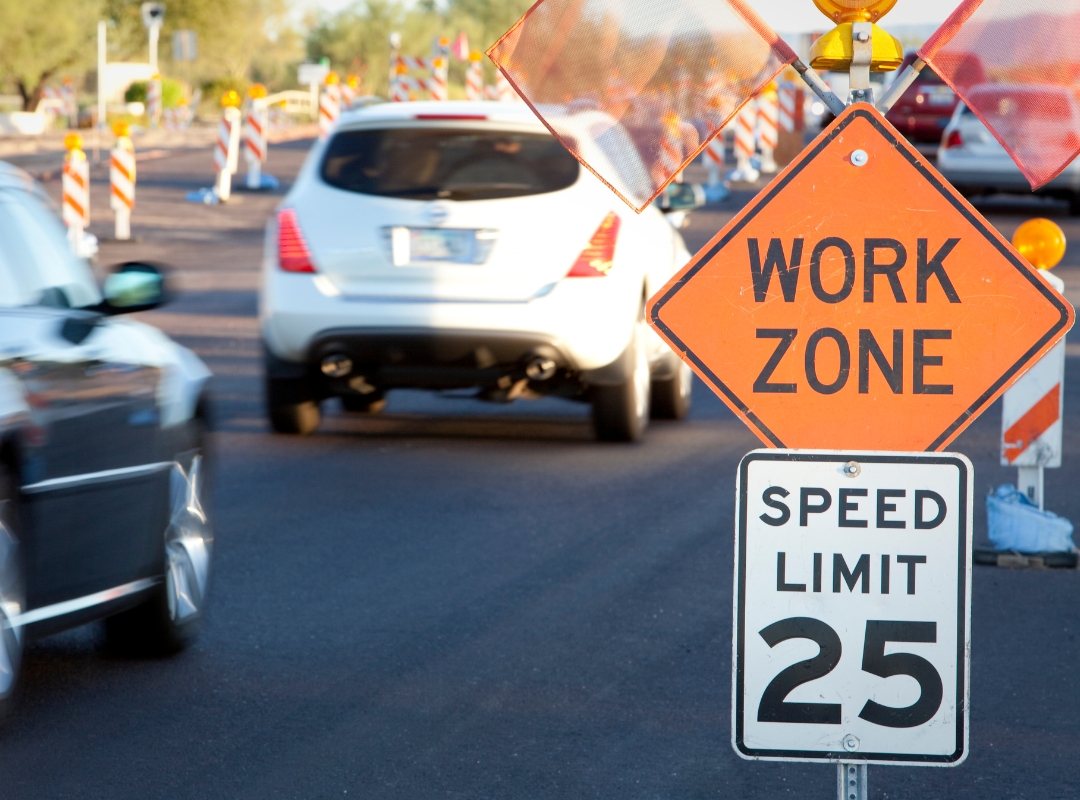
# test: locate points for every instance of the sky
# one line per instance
(794, 16)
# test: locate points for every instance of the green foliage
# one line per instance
(356, 39)
(172, 92)
(232, 35)
(45, 39)
(136, 93)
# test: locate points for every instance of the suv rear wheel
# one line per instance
(671, 396)
(621, 412)
(290, 407)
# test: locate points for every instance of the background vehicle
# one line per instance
(102, 438)
(925, 107)
(976, 163)
(454, 245)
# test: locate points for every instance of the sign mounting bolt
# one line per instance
(859, 158)
(851, 743)
(852, 470)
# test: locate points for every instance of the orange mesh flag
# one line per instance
(1016, 64)
(635, 89)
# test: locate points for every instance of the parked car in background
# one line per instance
(925, 107)
(102, 448)
(976, 163)
(458, 245)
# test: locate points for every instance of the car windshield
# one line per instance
(36, 263)
(452, 164)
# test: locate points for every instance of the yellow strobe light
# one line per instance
(1041, 242)
(854, 10)
(834, 50)
(231, 99)
(73, 141)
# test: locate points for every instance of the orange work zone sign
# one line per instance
(859, 301)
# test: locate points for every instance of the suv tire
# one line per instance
(671, 396)
(290, 407)
(620, 412)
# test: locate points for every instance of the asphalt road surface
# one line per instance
(459, 600)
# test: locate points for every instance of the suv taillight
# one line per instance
(293, 253)
(954, 140)
(596, 259)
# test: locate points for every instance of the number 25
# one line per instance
(773, 707)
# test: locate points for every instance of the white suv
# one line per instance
(458, 245)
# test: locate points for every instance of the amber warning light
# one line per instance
(596, 259)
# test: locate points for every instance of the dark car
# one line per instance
(102, 448)
(925, 108)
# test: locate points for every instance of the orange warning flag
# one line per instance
(635, 90)
(1016, 65)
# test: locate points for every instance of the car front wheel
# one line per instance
(168, 620)
(12, 598)
(620, 412)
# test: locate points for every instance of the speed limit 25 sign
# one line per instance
(852, 607)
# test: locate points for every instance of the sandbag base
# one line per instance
(1010, 558)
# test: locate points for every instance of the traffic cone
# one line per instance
(122, 180)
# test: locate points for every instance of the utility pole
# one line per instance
(101, 33)
(153, 15)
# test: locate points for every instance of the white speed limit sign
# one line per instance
(852, 607)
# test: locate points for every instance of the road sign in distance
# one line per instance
(852, 607)
(1014, 64)
(633, 90)
(859, 301)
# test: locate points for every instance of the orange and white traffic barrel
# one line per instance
(75, 188)
(787, 96)
(503, 88)
(256, 122)
(122, 180)
(745, 128)
(714, 158)
(438, 83)
(153, 101)
(670, 156)
(350, 90)
(329, 105)
(491, 92)
(768, 124)
(227, 146)
(1032, 409)
(474, 77)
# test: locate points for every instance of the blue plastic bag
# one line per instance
(1015, 523)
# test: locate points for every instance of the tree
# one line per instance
(42, 39)
(359, 34)
(232, 34)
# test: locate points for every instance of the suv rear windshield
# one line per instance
(451, 164)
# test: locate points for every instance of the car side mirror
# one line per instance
(134, 286)
(682, 197)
